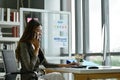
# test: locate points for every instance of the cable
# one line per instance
(18, 5)
(22, 5)
(28, 3)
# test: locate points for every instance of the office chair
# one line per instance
(10, 66)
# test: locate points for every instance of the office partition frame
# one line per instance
(22, 10)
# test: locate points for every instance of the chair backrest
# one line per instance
(9, 60)
(10, 66)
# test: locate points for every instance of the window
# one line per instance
(115, 61)
(95, 43)
(96, 59)
(73, 25)
(114, 12)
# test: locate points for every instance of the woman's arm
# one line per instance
(44, 62)
(49, 65)
(52, 65)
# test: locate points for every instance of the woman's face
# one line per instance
(38, 32)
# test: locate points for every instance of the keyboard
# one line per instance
(81, 66)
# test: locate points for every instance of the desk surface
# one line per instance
(101, 69)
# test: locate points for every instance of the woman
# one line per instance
(30, 55)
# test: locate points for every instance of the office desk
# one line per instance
(88, 74)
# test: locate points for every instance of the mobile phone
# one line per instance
(35, 35)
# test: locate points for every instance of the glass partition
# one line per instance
(56, 36)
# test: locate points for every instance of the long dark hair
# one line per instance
(29, 30)
(28, 35)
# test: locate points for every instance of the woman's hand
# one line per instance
(36, 44)
(72, 64)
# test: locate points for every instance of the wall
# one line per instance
(37, 4)
(1, 3)
(33, 4)
(8, 3)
